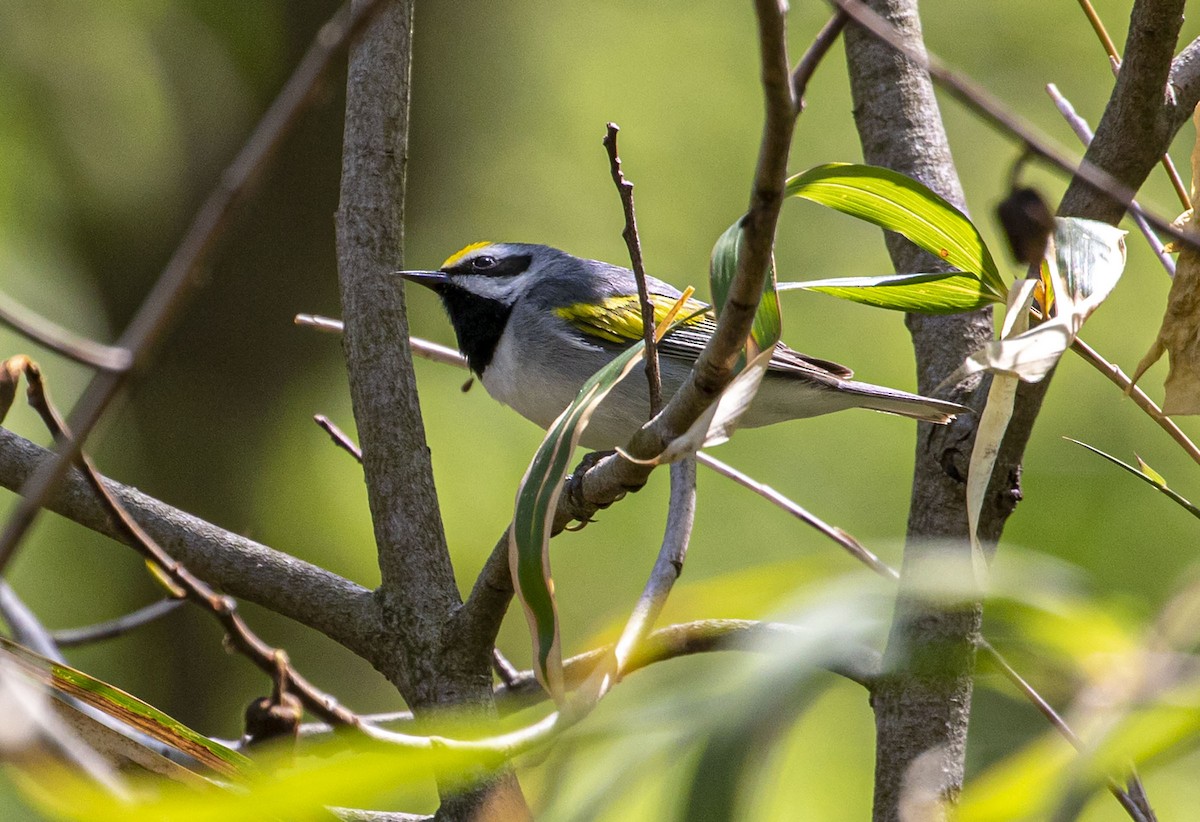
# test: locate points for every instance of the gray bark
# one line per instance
(418, 594)
(923, 700)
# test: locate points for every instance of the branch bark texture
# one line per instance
(418, 593)
(319, 599)
(922, 701)
(418, 589)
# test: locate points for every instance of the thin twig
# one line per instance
(74, 637)
(435, 352)
(990, 109)
(1114, 57)
(807, 66)
(1084, 132)
(339, 437)
(1118, 377)
(855, 548)
(169, 294)
(315, 321)
(1055, 719)
(61, 340)
(26, 628)
(223, 608)
(504, 669)
(681, 516)
(634, 243)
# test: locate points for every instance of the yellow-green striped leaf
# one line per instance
(537, 497)
(932, 293)
(898, 203)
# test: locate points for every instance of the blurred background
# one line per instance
(116, 120)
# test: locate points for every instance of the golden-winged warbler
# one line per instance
(535, 322)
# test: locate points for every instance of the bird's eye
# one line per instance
(483, 263)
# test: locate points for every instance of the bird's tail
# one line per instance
(891, 401)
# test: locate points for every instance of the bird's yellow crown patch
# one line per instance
(457, 256)
(619, 319)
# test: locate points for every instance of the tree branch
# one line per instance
(922, 702)
(118, 626)
(418, 593)
(312, 596)
(418, 588)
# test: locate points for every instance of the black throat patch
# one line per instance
(478, 323)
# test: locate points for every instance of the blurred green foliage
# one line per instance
(116, 119)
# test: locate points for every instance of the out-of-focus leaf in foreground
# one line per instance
(358, 774)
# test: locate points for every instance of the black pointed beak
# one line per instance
(434, 280)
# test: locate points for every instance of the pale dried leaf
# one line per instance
(1180, 338)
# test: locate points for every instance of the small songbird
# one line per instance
(535, 322)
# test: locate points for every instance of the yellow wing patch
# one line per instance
(619, 319)
(457, 256)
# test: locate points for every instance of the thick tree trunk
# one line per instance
(923, 701)
(418, 593)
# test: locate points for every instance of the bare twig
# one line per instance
(425, 349)
(74, 637)
(339, 437)
(807, 66)
(855, 548)
(1118, 378)
(1110, 48)
(169, 294)
(315, 321)
(634, 243)
(61, 340)
(1084, 132)
(503, 668)
(26, 628)
(222, 607)
(1055, 719)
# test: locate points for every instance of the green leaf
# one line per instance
(723, 264)
(537, 497)
(1147, 475)
(723, 268)
(898, 203)
(932, 293)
